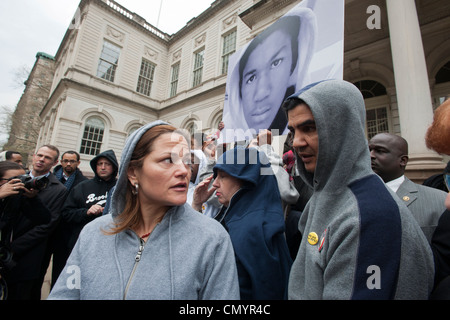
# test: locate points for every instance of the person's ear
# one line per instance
(132, 175)
(404, 160)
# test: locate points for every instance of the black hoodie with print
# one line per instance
(80, 199)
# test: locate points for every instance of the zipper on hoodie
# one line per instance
(136, 261)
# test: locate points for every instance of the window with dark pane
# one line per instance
(145, 79)
(229, 47)
(92, 136)
(109, 58)
(198, 68)
(174, 80)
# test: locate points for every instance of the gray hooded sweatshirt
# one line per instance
(187, 256)
(358, 240)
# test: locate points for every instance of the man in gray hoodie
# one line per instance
(359, 241)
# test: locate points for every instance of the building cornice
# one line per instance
(192, 24)
(262, 9)
(66, 83)
(133, 19)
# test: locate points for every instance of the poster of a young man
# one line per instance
(303, 46)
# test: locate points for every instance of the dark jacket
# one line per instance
(69, 183)
(440, 244)
(35, 245)
(86, 194)
(19, 215)
(254, 219)
(74, 212)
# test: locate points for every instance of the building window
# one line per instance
(441, 89)
(370, 88)
(108, 61)
(198, 68)
(191, 127)
(443, 75)
(377, 121)
(174, 80)
(217, 120)
(133, 129)
(92, 136)
(229, 47)
(377, 117)
(145, 80)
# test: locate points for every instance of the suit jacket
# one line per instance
(425, 203)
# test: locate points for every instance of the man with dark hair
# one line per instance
(53, 196)
(14, 156)
(85, 202)
(70, 176)
(67, 172)
(268, 70)
(265, 70)
(358, 238)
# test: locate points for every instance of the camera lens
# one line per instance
(38, 183)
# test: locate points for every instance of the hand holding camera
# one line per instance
(23, 183)
(12, 187)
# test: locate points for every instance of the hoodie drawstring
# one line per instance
(116, 259)
(172, 289)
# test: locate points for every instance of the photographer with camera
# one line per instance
(20, 211)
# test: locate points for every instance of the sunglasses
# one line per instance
(447, 180)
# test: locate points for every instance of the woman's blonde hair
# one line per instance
(130, 217)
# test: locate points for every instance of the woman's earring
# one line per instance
(136, 189)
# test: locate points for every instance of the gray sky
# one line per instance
(31, 26)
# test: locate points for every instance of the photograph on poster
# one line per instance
(303, 46)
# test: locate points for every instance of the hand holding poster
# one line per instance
(303, 46)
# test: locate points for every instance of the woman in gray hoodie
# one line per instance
(152, 245)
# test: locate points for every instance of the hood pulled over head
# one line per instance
(108, 154)
(339, 113)
(118, 196)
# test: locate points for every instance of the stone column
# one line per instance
(412, 87)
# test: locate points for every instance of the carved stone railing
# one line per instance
(137, 18)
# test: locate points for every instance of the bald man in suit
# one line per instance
(389, 157)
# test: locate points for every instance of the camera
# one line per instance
(38, 183)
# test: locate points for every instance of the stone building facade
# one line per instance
(25, 122)
(115, 72)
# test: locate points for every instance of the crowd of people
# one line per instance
(180, 217)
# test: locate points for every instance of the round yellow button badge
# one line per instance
(313, 238)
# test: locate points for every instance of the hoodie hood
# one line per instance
(260, 189)
(246, 164)
(118, 195)
(111, 156)
(234, 118)
(255, 222)
(339, 112)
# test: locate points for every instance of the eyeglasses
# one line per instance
(69, 161)
(447, 180)
(9, 179)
